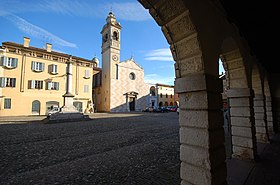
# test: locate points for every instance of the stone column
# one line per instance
(269, 117)
(68, 96)
(202, 150)
(260, 119)
(242, 123)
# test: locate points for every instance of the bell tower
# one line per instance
(110, 57)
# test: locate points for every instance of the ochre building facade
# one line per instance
(33, 80)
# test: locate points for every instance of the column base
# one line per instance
(66, 117)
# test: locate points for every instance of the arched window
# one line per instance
(105, 38)
(152, 91)
(115, 36)
(36, 107)
(161, 95)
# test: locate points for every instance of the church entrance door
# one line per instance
(132, 104)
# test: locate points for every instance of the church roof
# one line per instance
(132, 60)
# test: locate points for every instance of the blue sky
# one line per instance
(73, 27)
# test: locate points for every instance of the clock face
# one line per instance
(115, 58)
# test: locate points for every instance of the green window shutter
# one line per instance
(49, 85)
(32, 84)
(43, 67)
(33, 67)
(3, 81)
(1, 60)
(56, 85)
(5, 61)
(13, 82)
(14, 62)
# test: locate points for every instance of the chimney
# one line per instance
(49, 47)
(26, 42)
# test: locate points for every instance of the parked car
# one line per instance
(161, 109)
(53, 110)
(173, 109)
(148, 109)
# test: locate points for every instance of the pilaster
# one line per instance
(260, 119)
(269, 117)
(242, 123)
(202, 150)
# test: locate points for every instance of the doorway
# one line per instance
(132, 104)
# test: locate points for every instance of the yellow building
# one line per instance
(33, 80)
(166, 95)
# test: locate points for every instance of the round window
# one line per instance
(132, 76)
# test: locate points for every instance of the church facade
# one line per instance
(120, 86)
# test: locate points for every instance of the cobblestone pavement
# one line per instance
(122, 149)
(119, 149)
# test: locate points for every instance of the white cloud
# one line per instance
(132, 11)
(37, 32)
(129, 11)
(159, 55)
(156, 78)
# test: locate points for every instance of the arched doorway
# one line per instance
(36, 106)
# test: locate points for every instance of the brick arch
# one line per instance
(233, 62)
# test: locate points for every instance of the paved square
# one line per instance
(112, 148)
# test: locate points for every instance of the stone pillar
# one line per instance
(242, 123)
(269, 117)
(202, 150)
(69, 78)
(260, 119)
(68, 96)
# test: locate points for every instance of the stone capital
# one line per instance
(198, 82)
(239, 92)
